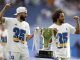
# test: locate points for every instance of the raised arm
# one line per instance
(3, 11)
(76, 18)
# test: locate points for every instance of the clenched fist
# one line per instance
(76, 17)
(8, 5)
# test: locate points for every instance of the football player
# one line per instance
(62, 49)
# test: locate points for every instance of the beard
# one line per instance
(62, 21)
(22, 18)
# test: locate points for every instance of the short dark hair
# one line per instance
(56, 15)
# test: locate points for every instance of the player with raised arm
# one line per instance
(18, 30)
(3, 40)
(62, 50)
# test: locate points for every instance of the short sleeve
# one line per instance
(72, 29)
(27, 29)
(7, 19)
(50, 26)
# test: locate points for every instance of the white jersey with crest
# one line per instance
(16, 29)
(3, 40)
(3, 36)
(62, 40)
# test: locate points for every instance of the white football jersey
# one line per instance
(16, 29)
(63, 39)
(3, 36)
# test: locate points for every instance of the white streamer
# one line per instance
(36, 40)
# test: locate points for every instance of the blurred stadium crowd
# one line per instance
(71, 4)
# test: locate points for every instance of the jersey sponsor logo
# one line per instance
(19, 33)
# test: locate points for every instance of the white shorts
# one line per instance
(1, 51)
(6, 52)
(19, 51)
(62, 52)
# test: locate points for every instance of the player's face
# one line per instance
(23, 16)
(61, 18)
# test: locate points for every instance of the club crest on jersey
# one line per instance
(66, 29)
(16, 24)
